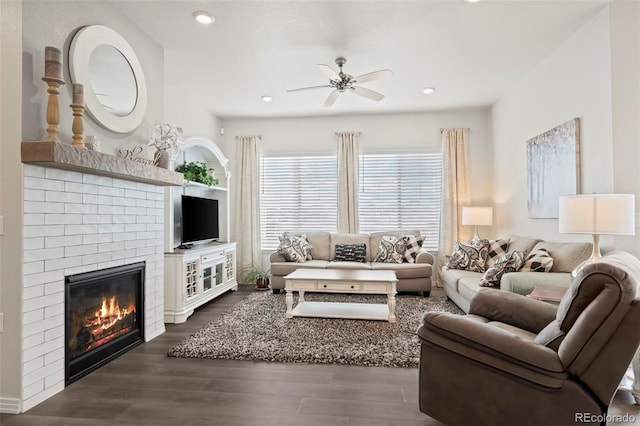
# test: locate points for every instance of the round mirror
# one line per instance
(112, 80)
(114, 85)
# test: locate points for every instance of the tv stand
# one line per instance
(185, 246)
(196, 276)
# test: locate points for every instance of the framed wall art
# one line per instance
(553, 168)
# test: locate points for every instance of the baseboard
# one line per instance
(10, 405)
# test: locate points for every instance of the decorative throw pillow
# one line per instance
(538, 260)
(510, 262)
(294, 248)
(391, 249)
(351, 253)
(306, 246)
(469, 255)
(414, 243)
(497, 249)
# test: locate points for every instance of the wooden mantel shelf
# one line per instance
(65, 156)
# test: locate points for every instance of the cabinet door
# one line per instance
(207, 278)
(229, 265)
(191, 278)
(219, 273)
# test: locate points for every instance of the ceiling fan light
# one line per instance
(267, 98)
(342, 82)
(203, 17)
(428, 90)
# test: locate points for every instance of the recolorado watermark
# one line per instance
(604, 418)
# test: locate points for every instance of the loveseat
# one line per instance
(412, 277)
(461, 285)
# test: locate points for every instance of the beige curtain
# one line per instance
(348, 178)
(247, 208)
(455, 192)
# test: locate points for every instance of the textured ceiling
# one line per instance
(471, 53)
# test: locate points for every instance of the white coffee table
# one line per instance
(342, 281)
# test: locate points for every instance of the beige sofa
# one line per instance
(461, 286)
(414, 277)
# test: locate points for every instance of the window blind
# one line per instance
(297, 193)
(401, 191)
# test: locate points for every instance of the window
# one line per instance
(297, 193)
(401, 191)
(397, 191)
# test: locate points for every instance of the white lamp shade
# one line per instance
(478, 216)
(609, 214)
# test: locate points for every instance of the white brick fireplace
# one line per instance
(79, 222)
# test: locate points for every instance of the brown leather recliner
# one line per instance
(518, 361)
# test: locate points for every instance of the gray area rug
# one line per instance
(256, 329)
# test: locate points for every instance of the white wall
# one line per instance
(10, 203)
(574, 81)
(625, 69)
(48, 23)
(181, 110)
(380, 133)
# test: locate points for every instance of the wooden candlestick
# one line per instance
(52, 62)
(78, 94)
(53, 110)
(78, 125)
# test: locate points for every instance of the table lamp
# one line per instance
(477, 216)
(596, 214)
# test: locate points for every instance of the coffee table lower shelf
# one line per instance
(366, 311)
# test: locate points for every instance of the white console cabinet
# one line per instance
(195, 276)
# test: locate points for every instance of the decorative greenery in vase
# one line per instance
(254, 274)
(198, 171)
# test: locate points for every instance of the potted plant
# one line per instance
(254, 274)
(198, 171)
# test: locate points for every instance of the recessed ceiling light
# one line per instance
(267, 98)
(429, 90)
(203, 17)
(472, 1)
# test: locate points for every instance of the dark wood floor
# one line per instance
(144, 387)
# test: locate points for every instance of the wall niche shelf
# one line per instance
(189, 183)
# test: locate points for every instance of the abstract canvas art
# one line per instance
(553, 168)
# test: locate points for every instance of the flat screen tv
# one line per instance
(200, 221)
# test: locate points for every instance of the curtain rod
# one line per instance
(257, 136)
(464, 128)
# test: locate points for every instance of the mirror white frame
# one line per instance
(84, 42)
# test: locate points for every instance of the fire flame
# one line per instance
(108, 314)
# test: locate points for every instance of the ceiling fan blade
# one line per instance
(308, 88)
(371, 76)
(332, 98)
(369, 94)
(328, 71)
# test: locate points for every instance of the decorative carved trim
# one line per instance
(211, 146)
(68, 157)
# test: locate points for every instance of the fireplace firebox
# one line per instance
(103, 317)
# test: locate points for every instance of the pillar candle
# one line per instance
(52, 63)
(78, 94)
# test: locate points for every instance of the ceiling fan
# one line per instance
(342, 82)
